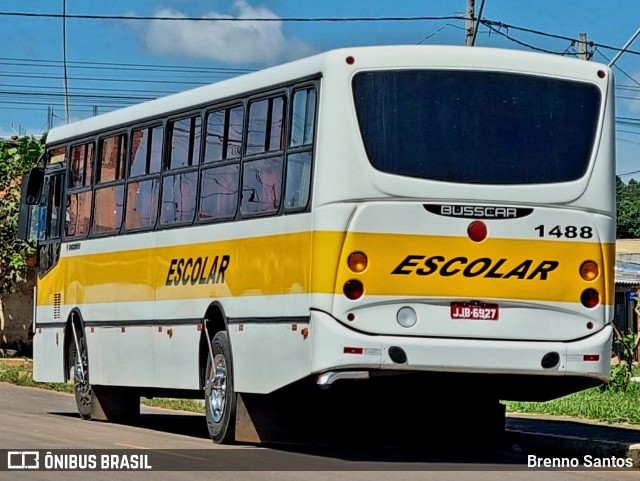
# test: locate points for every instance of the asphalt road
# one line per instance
(34, 419)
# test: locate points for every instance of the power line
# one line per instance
(486, 22)
(520, 42)
(618, 68)
(629, 173)
(231, 19)
(551, 35)
(129, 66)
(97, 79)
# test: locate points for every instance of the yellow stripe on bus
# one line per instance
(399, 265)
(441, 266)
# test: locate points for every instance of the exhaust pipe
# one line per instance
(328, 378)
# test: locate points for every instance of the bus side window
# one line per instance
(303, 117)
(52, 198)
(224, 134)
(219, 192)
(261, 186)
(78, 200)
(107, 215)
(185, 142)
(81, 166)
(78, 214)
(298, 180)
(262, 178)
(179, 198)
(142, 204)
(109, 199)
(266, 126)
(142, 193)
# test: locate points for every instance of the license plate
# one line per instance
(475, 311)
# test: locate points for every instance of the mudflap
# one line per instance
(376, 412)
(114, 404)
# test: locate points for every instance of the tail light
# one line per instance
(590, 298)
(353, 289)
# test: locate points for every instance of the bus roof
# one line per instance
(317, 64)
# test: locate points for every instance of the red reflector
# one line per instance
(199, 327)
(122, 329)
(477, 231)
(353, 350)
(591, 357)
(350, 60)
(93, 329)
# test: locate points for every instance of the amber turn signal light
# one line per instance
(589, 270)
(357, 262)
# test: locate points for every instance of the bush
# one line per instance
(16, 159)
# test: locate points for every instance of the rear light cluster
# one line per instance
(590, 297)
(358, 263)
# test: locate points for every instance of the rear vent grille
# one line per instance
(57, 301)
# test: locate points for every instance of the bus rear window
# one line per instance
(477, 127)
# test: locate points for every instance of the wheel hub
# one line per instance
(216, 388)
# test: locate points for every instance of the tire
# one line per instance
(219, 395)
(79, 365)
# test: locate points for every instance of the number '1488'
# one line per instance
(569, 231)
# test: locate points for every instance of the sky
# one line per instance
(112, 63)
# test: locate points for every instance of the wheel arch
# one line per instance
(74, 320)
(214, 321)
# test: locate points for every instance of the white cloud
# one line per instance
(229, 42)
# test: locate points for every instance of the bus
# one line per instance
(404, 216)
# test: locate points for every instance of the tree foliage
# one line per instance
(16, 159)
(628, 210)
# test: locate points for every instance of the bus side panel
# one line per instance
(48, 354)
(176, 356)
(120, 355)
(269, 355)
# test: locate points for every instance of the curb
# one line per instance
(571, 446)
(15, 361)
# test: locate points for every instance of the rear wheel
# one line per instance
(219, 395)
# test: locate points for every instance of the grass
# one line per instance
(608, 407)
(191, 405)
(21, 375)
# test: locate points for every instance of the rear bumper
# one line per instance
(337, 347)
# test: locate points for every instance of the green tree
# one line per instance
(16, 159)
(628, 208)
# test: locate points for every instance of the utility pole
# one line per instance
(470, 24)
(49, 118)
(583, 53)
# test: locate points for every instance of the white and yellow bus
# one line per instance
(432, 212)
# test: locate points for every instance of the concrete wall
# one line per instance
(16, 313)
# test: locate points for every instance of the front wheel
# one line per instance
(219, 395)
(79, 360)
